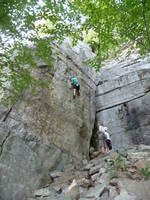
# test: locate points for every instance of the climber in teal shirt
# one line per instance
(75, 85)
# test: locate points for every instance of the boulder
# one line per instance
(125, 196)
(95, 192)
(20, 169)
(72, 192)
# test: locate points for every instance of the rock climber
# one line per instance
(106, 141)
(75, 85)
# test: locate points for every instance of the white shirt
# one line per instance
(106, 134)
(103, 129)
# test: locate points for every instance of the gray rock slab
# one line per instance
(95, 169)
(125, 196)
(43, 192)
(140, 188)
(123, 101)
(96, 191)
(20, 169)
(53, 128)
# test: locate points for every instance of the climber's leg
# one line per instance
(103, 145)
(103, 150)
(108, 145)
(78, 89)
(74, 93)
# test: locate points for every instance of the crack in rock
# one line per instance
(3, 142)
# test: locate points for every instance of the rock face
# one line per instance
(123, 102)
(51, 129)
(113, 177)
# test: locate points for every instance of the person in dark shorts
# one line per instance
(106, 141)
(76, 86)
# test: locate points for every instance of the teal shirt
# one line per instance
(75, 81)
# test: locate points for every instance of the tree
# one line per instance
(113, 23)
(18, 28)
(134, 20)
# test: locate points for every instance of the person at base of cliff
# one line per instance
(106, 141)
(75, 85)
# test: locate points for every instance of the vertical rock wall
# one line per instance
(51, 129)
(123, 102)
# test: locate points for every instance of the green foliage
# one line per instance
(128, 127)
(101, 18)
(112, 172)
(43, 51)
(115, 166)
(106, 25)
(134, 19)
(145, 172)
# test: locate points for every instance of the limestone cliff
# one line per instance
(51, 129)
(123, 102)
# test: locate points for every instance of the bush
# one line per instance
(145, 172)
(115, 166)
